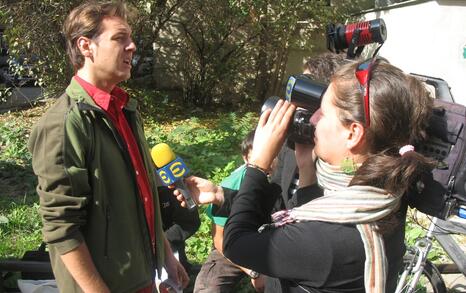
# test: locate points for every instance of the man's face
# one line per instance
(112, 52)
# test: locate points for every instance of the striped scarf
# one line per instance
(360, 205)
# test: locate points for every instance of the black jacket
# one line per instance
(308, 256)
(178, 223)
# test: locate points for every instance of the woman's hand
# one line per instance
(270, 134)
(203, 191)
(305, 159)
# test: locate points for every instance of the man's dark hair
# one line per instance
(246, 144)
(321, 67)
(85, 20)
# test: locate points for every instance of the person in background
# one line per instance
(218, 274)
(98, 194)
(322, 66)
(178, 223)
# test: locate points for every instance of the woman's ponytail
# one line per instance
(392, 171)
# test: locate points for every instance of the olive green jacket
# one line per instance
(88, 192)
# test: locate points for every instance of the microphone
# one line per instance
(172, 170)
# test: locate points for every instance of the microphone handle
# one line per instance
(190, 203)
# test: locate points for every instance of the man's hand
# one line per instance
(258, 283)
(176, 271)
(203, 191)
(80, 265)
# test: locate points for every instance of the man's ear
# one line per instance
(355, 138)
(84, 46)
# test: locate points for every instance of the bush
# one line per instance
(214, 52)
(228, 52)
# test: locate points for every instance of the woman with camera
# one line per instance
(350, 237)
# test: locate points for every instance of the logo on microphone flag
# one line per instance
(173, 171)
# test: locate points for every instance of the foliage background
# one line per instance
(210, 52)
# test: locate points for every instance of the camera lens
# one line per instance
(301, 129)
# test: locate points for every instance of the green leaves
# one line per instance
(206, 145)
(198, 246)
(5, 92)
(19, 229)
(38, 41)
(416, 227)
(13, 143)
(4, 220)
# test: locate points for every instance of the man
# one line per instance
(98, 195)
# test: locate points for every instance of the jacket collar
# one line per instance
(76, 92)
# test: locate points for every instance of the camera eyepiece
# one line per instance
(304, 92)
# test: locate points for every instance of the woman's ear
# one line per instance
(84, 46)
(355, 138)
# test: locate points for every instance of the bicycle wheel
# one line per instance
(431, 280)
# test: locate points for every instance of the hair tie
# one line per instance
(404, 149)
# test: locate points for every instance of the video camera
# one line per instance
(442, 192)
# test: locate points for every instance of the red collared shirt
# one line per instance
(113, 104)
